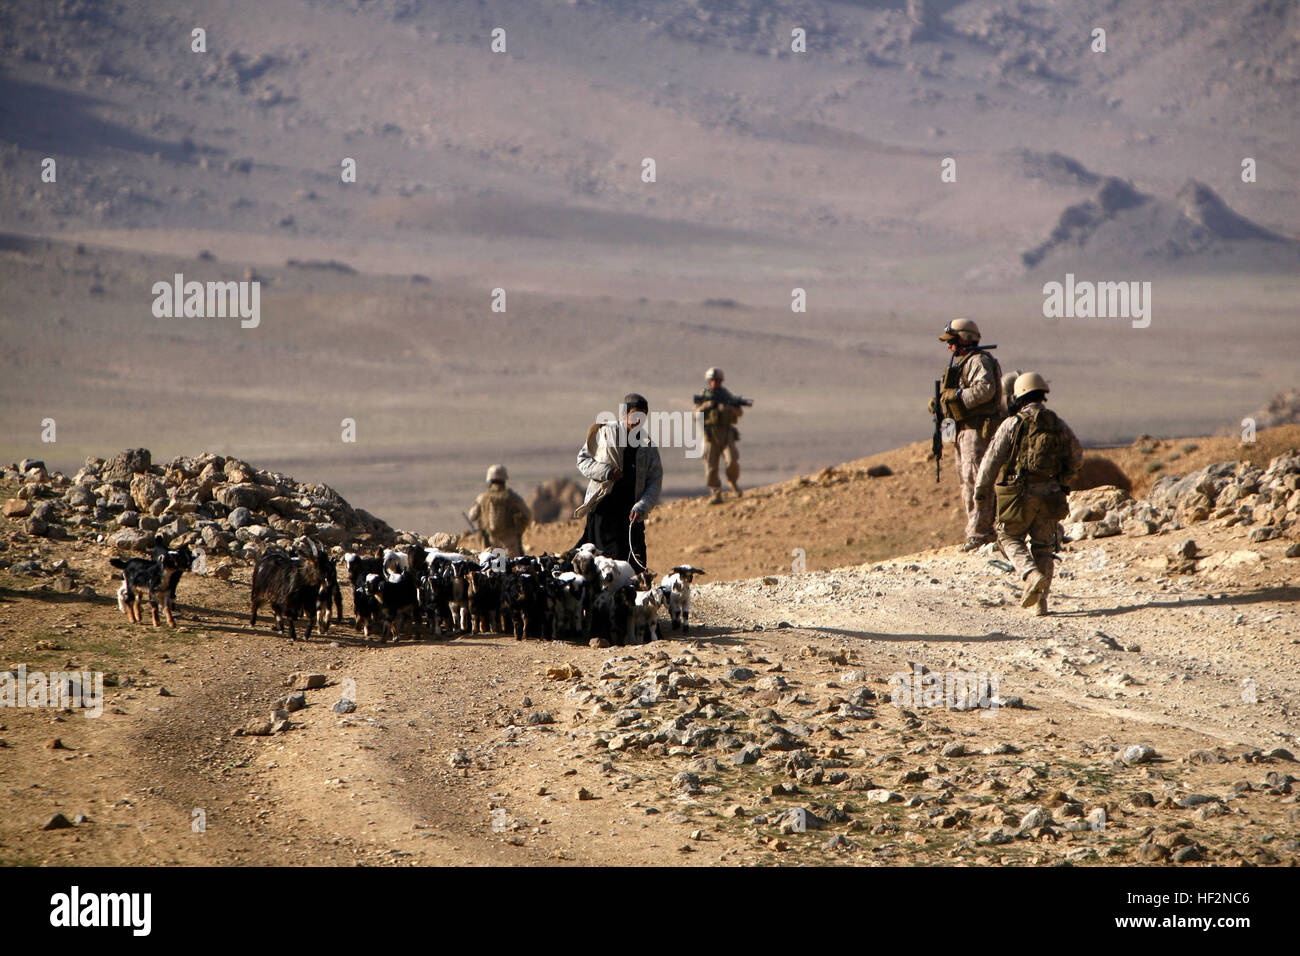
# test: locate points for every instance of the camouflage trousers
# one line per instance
(512, 544)
(979, 512)
(1039, 529)
(713, 451)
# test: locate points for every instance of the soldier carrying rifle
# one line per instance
(971, 395)
(721, 411)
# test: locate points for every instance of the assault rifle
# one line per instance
(735, 401)
(949, 381)
(936, 443)
(474, 530)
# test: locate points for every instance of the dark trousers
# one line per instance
(610, 536)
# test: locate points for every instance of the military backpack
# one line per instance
(1040, 453)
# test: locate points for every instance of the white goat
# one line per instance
(614, 573)
(645, 617)
(677, 586)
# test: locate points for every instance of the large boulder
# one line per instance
(17, 508)
(214, 539)
(1105, 498)
(244, 495)
(240, 472)
(80, 496)
(1194, 491)
(129, 539)
(330, 534)
(1097, 470)
(146, 489)
(124, 465)
(555, 499)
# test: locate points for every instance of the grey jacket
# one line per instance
(600, 456)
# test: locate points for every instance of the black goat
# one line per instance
(151, 580)
(291, 585)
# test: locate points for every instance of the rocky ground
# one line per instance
(1150, 719)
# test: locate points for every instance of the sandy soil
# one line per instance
(449, 759)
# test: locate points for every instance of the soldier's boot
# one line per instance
(736, 488)
(1040, 609)
(715, 496)
(977, 542)
(1035, 586)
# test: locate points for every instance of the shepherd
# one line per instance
(624, 478)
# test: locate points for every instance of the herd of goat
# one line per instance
(579, 595)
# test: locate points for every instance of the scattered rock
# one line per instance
(1138, 753)
(17, 508)
(292, 703)
(883, 796)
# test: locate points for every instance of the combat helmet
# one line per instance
(963, 331)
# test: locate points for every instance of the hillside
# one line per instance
(841, 516)
(1149, 721)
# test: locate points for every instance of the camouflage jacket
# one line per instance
(500, 512)
(719, 415)
(979, 385)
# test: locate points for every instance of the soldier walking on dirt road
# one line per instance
(1034, 455)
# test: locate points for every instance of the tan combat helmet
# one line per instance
(961, 330)
(1030, 382)
(713, 373)
(497, 473)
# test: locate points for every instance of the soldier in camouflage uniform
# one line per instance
(720, 435)
(500, 514)
(972, 398)
(1034, 455)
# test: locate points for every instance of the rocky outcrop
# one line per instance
(555, 499)
(1230, 493)
(223, 505)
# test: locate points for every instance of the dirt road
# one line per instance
(466, 752)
